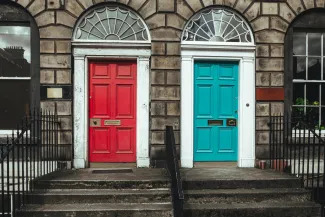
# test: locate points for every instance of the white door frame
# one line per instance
(245, 55)
(82, 53)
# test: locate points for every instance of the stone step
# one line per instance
(99, 209)
(99, 196)
(253, 209)
(101, 184)
(247, 195)
(287, 182)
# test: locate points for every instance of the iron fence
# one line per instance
(174, 172)
(31, 152)
(297, 147)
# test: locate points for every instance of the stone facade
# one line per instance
(166, 20)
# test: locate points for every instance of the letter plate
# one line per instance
(215, 122)
(231, 122)
(112, 122)
(95, 122)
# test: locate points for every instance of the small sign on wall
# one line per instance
(54, 93)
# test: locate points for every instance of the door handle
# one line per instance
(95, 122)
(231, 122)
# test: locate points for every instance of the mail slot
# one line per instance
(231, 122)
(112, 122)
(215, 122)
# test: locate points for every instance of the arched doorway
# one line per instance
(111, 50)
(218, 89)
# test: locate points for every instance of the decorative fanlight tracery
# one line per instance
(111, 23)
(217, 25)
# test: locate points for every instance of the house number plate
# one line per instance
(112, 122)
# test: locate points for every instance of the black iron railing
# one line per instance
(174, 172)
(30, 152)
(297, 147)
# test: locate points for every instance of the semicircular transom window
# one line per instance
(111, 23)
(217, 25)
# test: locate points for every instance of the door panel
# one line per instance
(215, 102)
(112, 111)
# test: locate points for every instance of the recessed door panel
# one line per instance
(215, 111)
(112, 109)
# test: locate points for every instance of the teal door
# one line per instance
(215, 111)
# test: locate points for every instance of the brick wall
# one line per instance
(166, 20)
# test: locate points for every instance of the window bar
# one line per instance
(305, 85)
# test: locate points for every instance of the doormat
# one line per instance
(113, 171)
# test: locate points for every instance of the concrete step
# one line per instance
(267, 209)
(247, 195)
(286, 182)
(100, 184)
(99, 196)
(100, 210)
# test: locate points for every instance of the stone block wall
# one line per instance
(166, 20)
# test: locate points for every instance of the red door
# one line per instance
(112, 111)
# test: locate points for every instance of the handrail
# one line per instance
(174, 172)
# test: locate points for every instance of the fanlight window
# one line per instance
(107, 23)
(217, 25)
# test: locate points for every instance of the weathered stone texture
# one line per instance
(65, 123)
(48, 106)
(55, 61)
(158, 137)
(165, 93)
(262, 50)
(262, 123)
(53, 4)
(320, 3)
(253, 12)
(160, 62)
(63, 46)
(277, 50)
(242, 5)
(262, 79)
(64, 107)
(46, 46)
(45, 18)
(195, 4)
(65, 138)
(86, 3)
(161, 123)
(260, 23)
(262, 109)
(229, 3)
(277, 108)
(173, 20)
(269, 64)
(279, 24)
(148, 9)
(262, 137)
(173, 108)
(136, 4)
(296, 5)
(63, 76)
(158, 48)
(209, 2)
(158, 108)
(65, 19)
(166, 5)
(157, 20)
(309, 4)
(183, 9)
(269, 36)
(277, 79)
(36, 7)
(166, 34)
(173, 48)
(173, 77)
(58, 32)
(73, 7)
(286, 13)
(47, 77)
(24, 3)
(157, 77)
(270, 8)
